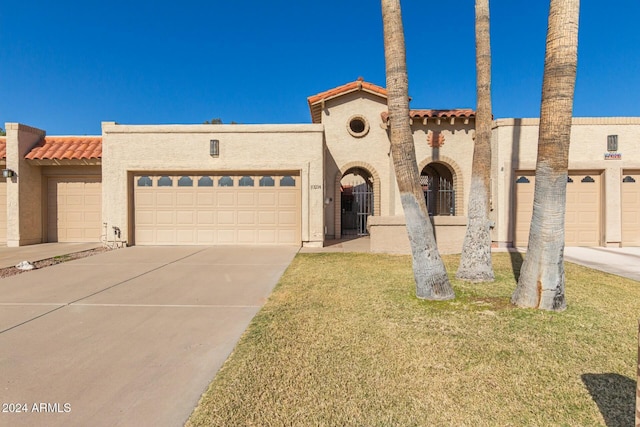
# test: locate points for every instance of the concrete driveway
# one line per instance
(130, 337)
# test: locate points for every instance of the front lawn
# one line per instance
(343, 341)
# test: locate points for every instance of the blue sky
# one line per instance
(69, 65)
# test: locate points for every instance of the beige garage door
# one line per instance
(582, 219)
(74, 209)
(631, 208)
(212, 209)
(3, 210)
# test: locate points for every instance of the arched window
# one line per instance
(205, 181)
(165, 181)
(287, 181)
(246, 181)
(185, 181)
(267, 181)
(145, 181)
(225, 181)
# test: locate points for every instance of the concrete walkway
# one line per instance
(623, 262)
(356, 244)
(9, 257)
(130, 337)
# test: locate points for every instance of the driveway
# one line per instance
(623, 262)
(130, 337)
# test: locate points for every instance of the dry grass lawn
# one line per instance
(343, 341)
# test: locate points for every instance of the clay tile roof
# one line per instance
(442, 114)
(67, 148)
(3, 148)
(315, 101)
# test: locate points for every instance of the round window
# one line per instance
(358, 126)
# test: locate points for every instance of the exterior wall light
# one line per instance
(612, 143)
(8, 173)
(214, 148)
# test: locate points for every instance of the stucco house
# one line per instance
(305, 184)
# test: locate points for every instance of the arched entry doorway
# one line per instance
(438, 188)
(356, 201)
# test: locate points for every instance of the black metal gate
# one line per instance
(357, 205)
(439, 195)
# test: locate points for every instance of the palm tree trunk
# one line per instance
(428, 269)
(475, 261)
(542, 282)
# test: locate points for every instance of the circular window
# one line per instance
(358, 126)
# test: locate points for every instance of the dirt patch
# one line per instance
(12, 271)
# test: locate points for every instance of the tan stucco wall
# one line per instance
(515, 145)
(343, 150)
(24, 191)
(389, 234)
(128, 148)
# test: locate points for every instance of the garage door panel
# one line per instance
(267, 199)
(246, 199)
(286, 218)
(144, 200)
(145, 217)
(208, 213)
(205, 237)
(185, 218)
(165, 217)
(286, 237)
(145, 235)
(246, 218)
(205, 199)
(267, 237)
(226, 217)
(75, 200)
(287, 199)
(246, 236)
(185, 236)
(206, 217)
(226, 236)
(185, 199)
(226, 199)
(165, 199)
(164, 236)
(267, 218)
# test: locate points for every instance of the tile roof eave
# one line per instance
(66, 148)
(316, 101)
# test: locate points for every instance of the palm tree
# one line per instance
(541, 283)
(475, 261)
(428, 269)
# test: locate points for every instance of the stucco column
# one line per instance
(611, 206)
(24, 190)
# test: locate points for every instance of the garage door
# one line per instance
(631, 208)
(74, 209)
(582, 218)
(214, 209)
(3, 211)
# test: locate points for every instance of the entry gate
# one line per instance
(357, 205)
(439, 195)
